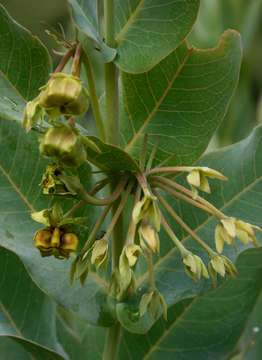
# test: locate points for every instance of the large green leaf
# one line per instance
(78, 337)
(249, 346)
(27, 316)
(21, 169)
(240, 197)
(85, 17)
(181, 101)
(207, 327)
(147, 31)
(24, 67)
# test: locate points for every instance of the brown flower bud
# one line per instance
(42, 241)
(69, 243)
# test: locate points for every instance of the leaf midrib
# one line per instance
(13, 324)
(16, 189)
(130, 21)
(158, 103)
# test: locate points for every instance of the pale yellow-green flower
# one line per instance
(230, 228)
(99, 253)
(194, 266)
(154, 303)
(148, 236)
(221, 265)
(147, 209)
(127, 261)
(198, 178)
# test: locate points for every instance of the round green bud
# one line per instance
(66, 94)
(64, 144)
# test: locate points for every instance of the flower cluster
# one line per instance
(62, 99)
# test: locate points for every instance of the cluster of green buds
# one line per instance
(57, 237)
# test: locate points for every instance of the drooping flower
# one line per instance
(194, 266)
(230, 228)
(198, 178)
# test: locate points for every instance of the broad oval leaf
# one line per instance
(21, 169)
(85, 17)
(239, 197)
(207, 327)
(181, 101)
(25, 66)
(27, 316)
(147, 31)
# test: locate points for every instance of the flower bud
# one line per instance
(63, 143)
(52, 182)
(154, 303)
(99, 253)
(64, 94)
(55, 239)
(147, 209)
(125, 277)
(42, 217)
(197, 178)
(195, 267)
(132, 252)
(149, 238)
(42, 241)
(32, 113)
(69, 243)
(221, 265)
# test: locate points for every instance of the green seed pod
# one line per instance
(63, 143)
(66, 94)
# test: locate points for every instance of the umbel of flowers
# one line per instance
(54, 112)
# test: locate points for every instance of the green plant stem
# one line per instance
(183, 197)
(65, 59)
(189, 193)
(111, 78)
(105, 201)
(100, 185)
(131, 232)
(92, 237)
(76, 62)
(151, 276)
(116, 251)
(111, 94)
(173, 237)
(112, 341)
(93, 96)
(179, 221)
(112, 136)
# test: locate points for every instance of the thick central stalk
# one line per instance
(112, 137)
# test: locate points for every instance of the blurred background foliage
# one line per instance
(215, 16)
